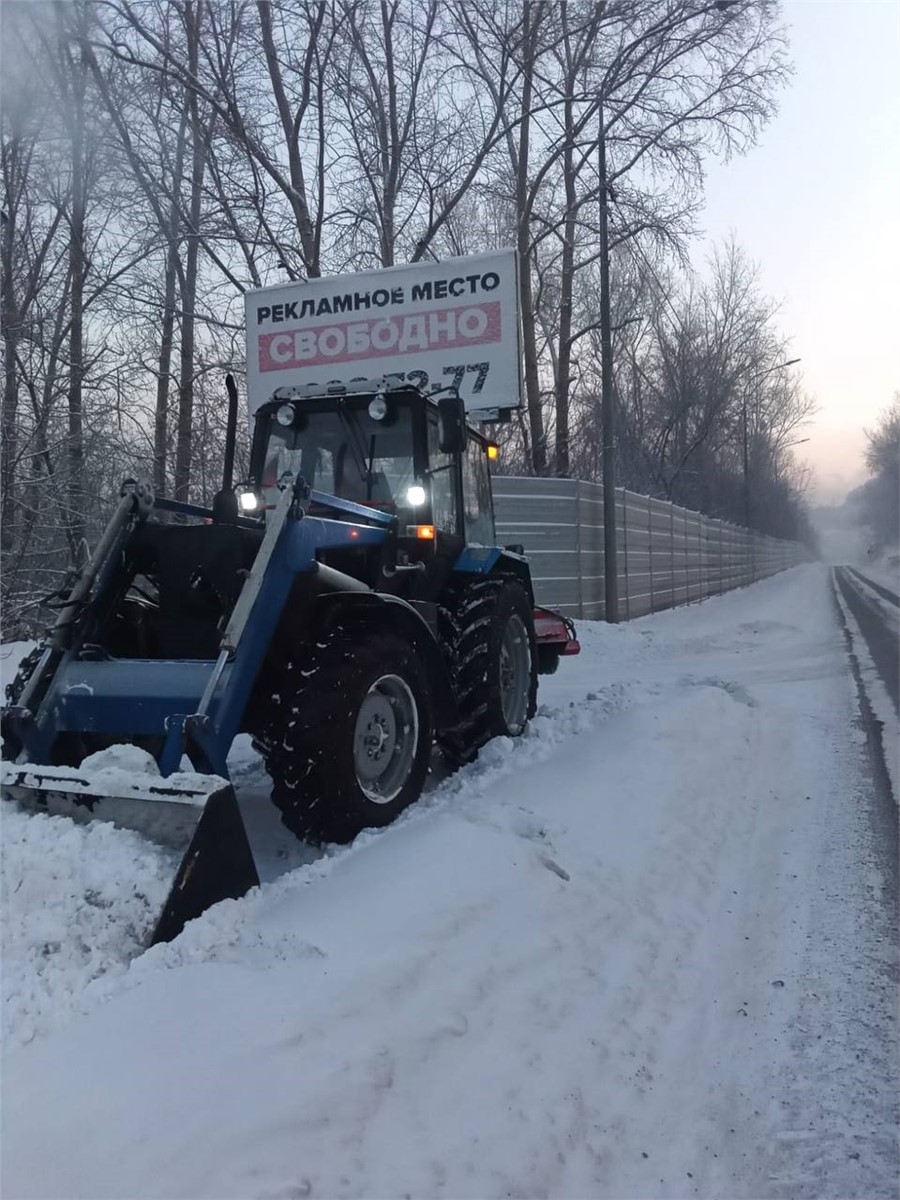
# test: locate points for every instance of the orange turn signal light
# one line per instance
(425, 532)
(493, 451)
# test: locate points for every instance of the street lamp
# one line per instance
(756, 378)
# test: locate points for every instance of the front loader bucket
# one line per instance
(195, 815)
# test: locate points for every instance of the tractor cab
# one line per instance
(386, 446)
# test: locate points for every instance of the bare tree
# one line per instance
(879, 506)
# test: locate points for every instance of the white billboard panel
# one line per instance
(454, 322)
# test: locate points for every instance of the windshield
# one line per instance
(345, 453)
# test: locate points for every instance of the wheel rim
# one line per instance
(515, 674)
(385, 739)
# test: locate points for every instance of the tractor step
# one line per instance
(195, 815)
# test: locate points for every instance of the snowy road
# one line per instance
(876, 615)
(871, 617)
(649, 950)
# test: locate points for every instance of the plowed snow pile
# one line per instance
(78, 903)
(648, 950)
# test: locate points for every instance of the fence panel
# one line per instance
(667, 555)
(693, 556)
(637, 554)
(590, 521)
(542, 515)
(659, 527)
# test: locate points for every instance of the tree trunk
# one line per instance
(9, 318)
(523, 242)
(309, 241)
(185, 433)
(391, 149)
(167, 332)
(164, 377)
(77, 271)
(564, 357)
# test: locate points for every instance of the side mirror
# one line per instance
(451, 425)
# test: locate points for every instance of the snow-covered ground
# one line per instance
(647, 950)
(885, 571)
(879, 597)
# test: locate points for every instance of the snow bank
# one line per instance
(78, 903)
(885, 569)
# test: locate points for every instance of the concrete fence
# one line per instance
(666, 555)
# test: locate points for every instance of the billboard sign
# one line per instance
(438, 324)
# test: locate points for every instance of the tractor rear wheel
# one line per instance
(488, 634)
(9, 747)
(349, 736)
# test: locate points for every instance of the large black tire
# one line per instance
(16, 685)
(9, 747)
(488, 635)
(350, 718)
(548, 660)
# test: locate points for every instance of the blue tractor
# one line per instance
(346, 606)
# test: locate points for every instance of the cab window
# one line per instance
(345, 452)
(479, 511)
(442, 479)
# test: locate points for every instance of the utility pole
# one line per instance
(746, 463)
(607, 400)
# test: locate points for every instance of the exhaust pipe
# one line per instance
(225, 505)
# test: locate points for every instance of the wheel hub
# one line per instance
(380, 727)
(385, 738)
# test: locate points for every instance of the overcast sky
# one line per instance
(817, 205)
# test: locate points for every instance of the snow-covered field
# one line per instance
(648, 950)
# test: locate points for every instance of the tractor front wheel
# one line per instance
(350, 736)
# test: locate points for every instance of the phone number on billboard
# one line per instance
(454, 377)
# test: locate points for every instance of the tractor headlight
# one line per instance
(416, 495)
(285, 415)
(378, 408)
(248, 501)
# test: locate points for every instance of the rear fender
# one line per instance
(486, 561)
(376, 612)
